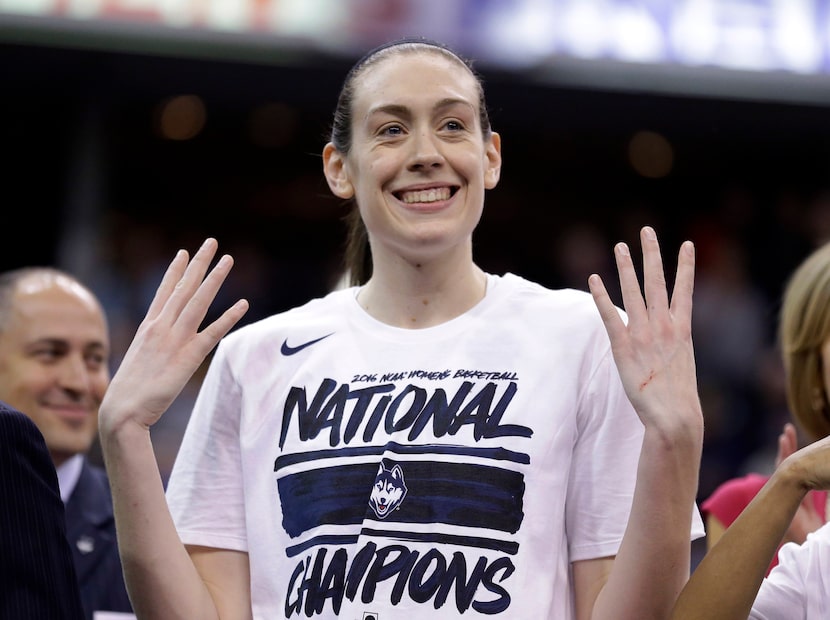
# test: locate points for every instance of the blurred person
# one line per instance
(729, 583)
(730, 313)
(430, 441)
(792, 535)
(730, 498)
(581, 248)
(731, 335)
(54, 355)
(37, 576)
(804, 338)
(773, 411)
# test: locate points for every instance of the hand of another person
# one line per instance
(806, 519)
(653, 350)
(168, 346)
(787, 443)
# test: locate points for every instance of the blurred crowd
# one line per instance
(746, 246)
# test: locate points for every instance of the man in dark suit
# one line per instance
(54, 367)
(37, 576)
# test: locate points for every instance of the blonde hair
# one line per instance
(804, 327)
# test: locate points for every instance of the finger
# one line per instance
(792, 436)
(684, 284)
(654, 277)
(172, 275)
(214, 332)
(787, 443)
(607, 310)
(782, 450)
(629, 284)
(199, 303)
(192, 278)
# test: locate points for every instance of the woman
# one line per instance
(730, 498)
(797, 586)
(433, 442)
(803, 330)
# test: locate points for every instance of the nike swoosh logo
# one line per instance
(285, 349)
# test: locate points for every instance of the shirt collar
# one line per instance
(68, 474)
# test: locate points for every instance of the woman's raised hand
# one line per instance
(168, 346)
(653, 349)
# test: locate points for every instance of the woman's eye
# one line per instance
(392, 130)
(454, 126)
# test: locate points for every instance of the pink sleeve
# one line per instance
(728, 500)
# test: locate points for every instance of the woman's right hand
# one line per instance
(168, 346)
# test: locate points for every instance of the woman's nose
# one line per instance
(426, 151)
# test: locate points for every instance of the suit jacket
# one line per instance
(90, 527)
(37, 576)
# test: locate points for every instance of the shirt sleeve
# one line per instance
(205, 492)
(785, 592)
(604, 467)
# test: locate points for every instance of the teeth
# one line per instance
(426, 195)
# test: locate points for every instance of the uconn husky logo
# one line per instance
(388, 491)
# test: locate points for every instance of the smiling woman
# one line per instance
(416, 157)
(434, 440)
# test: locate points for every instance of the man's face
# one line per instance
(54, 353)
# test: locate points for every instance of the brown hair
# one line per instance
(358, 259)
(804, 327)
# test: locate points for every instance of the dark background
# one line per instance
(89, 184)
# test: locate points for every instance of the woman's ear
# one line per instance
(493, 172)
(334, 167)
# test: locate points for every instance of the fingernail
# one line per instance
(622, 249)
(648, 233)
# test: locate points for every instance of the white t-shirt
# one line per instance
(798, 588)
(374, 472)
